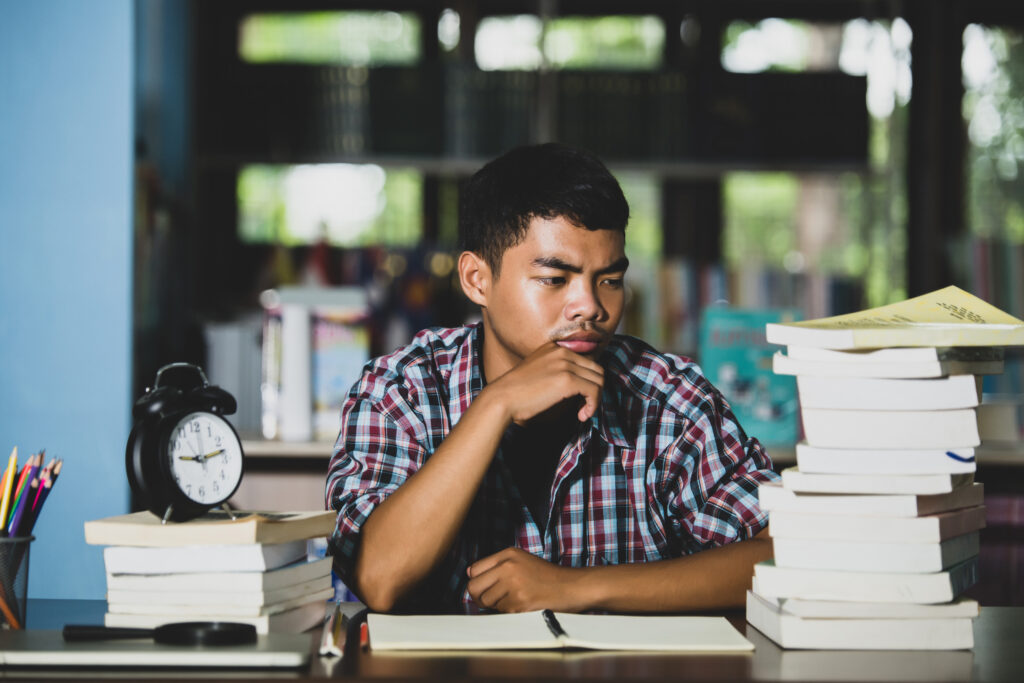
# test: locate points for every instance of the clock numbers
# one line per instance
(205, 458)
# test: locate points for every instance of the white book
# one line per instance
(870, 556)
(773, 496)
(872, 393)
(228, 582)
(295, 620)
(906, 354)
(216, 527)
(962, 608)
(250, 557)
(872, 586)
(889, 429)
(915, 484)
(819, 460)
(257, 598)
(783, 364)
(790, 631)
(926, 529)
(225, 609)
(554, 630)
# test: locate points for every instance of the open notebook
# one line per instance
(554, 630)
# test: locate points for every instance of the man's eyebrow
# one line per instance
(616, 267)
(558, 264)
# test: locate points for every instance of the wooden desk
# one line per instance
(998, 656)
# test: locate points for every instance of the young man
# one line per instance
(536, 459)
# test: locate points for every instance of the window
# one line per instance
(826, 243)
(344, 204)
(612, 42)
(993, 109)
(360, 38)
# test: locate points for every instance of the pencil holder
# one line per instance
(14, 580)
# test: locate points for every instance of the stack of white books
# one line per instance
(252, 569)
(876, 531)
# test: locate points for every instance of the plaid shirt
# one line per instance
(662, 470)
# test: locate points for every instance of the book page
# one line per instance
(948, 306)
(652, 633)
(460, 632)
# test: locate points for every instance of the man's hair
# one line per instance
(536, 181)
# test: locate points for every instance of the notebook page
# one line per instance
(460, 632)
(676, 634)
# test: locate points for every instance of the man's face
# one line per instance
(561, 283)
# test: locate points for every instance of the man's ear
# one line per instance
(475, 277)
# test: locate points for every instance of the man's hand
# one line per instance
(513, 580)
(546, 377)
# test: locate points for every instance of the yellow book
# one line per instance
(214, 528)
(943, 318)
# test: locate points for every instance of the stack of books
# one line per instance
(253, 568)
(876, 531)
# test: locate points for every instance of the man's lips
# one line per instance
(581, 343)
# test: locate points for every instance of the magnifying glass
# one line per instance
(181, 633)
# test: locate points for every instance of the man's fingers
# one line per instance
(588, 409)
(481, 584)
(486, 563)
(492, 596)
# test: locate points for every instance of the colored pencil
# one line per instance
(12, 467)
(24, 509)
(44, 492)
(20, 486)
(18, 508)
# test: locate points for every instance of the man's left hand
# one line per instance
(513, 580)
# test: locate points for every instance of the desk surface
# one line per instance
(998, 656)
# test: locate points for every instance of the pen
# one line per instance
(332, 639)
(364, 636)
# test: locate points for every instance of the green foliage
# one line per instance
(994, 111)
(364, 38)
(643, 234)
(760, 210)
(616, 42)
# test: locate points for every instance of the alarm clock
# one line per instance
(183, 458)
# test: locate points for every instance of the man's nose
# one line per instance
(583, 303)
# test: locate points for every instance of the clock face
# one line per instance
(205, 458)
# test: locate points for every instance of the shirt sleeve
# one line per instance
(710, 478)
(379, 447)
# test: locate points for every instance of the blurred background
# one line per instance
(772, 152)
(170, 161)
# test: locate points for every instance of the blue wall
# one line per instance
(66, 103)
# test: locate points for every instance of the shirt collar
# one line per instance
(466, 380)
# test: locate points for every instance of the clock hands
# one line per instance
(202, 458)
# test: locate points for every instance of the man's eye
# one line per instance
(615, 282)
(551, 280)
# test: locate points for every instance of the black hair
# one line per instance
(548, 180)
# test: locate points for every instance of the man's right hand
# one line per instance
(548, 376)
